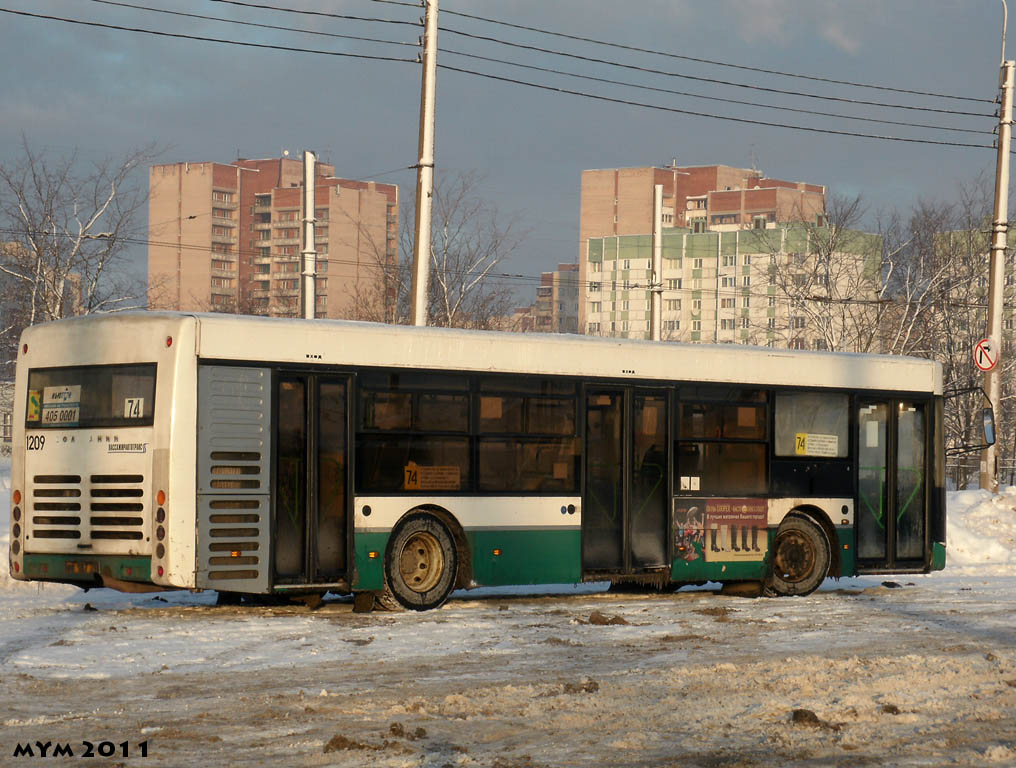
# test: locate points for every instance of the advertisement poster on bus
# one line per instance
(721, 530)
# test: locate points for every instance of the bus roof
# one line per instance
(360, 344)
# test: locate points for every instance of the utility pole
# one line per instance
(999, 240)
(308, 273)
(656, 281)
(425, 169)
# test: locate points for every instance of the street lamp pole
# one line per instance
(999, 241)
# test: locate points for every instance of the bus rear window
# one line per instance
(91, 396)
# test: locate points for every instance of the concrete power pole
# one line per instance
(425, 169)
(656, 281)
(308, 273)
(999, 240)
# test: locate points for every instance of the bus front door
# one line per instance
(892, 496)
(624, 509)
(310, 541)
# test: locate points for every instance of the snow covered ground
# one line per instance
(859, 673)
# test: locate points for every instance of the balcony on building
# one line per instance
(230, 206)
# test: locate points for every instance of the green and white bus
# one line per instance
(258, 456)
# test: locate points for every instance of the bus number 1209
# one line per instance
(35, 442)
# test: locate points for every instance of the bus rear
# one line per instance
(93, 424)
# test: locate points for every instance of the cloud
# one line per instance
(758, 21)
(836, 34)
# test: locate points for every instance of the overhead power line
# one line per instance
(514, 81)
(514, 277)
(635, 49)
(713, 62)
(305, 12)
(692, 113)
(182, 36)
(708, 98)
(698, 78)
(119, 3)
(254, 24)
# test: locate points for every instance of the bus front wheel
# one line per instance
(800, 557)
(421, 563)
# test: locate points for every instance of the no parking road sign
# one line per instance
(985, 355)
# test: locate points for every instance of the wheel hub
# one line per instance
(795, 556)
(421, 562)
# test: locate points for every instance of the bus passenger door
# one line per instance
(892, 500)
(624, 510)
(311, 531)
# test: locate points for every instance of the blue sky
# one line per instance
(100, 91)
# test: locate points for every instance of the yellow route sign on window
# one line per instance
(810, 444)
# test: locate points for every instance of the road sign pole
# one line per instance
(999, 240)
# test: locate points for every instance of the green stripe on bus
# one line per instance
(370, 570)
(732, 570)
(85, 567)
(937, 555)
(526, 556)
(845, 541)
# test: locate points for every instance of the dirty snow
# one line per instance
(917, 671)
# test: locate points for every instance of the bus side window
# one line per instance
(812, 424)
(721, 445)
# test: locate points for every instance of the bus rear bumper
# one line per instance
(124, 573)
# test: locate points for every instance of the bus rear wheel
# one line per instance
(421, 563)
(800, 558)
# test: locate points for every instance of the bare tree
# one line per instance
(67, 231)
(468, 242)
(826, 276)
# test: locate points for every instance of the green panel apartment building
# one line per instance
(776, 286)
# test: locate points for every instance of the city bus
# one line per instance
(267, 456)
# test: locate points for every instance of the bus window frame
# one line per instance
(106, 423)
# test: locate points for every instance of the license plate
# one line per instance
(73, 566)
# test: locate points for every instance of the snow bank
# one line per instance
(981, 532)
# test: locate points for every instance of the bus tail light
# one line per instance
(17, 567)
(161, 571)
(16, 497)
(16, 514)
(160, 498)
(169, 341)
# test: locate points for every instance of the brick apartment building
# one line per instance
(226, 237)
(557, 303)
(619, 201)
